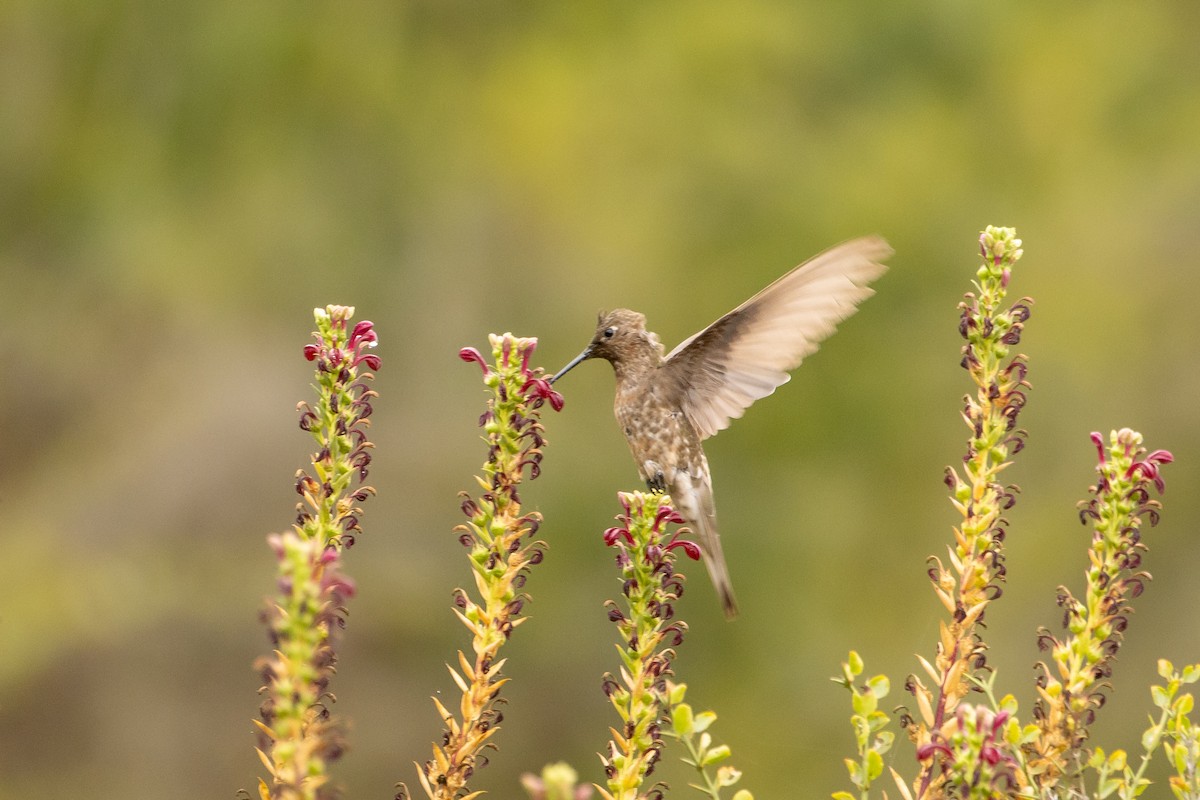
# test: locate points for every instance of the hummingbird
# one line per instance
(667, 405)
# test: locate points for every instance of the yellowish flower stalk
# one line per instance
(500, 547)
(650, 587)
(969, 579)
(298, 738)
(1071, 687)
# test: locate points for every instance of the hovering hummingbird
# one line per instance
(667, 406)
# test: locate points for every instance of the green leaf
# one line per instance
(1151, 738)
(855, 663)
(1180, 758)
(703, 720)
(682, 721)
(879, 686)
(855, 770)
(864, 703)
(1161, 698)
(862, 730)
(874, 765)
(843, 796)
(716, 755)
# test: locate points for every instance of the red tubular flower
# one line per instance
(689, 547)
(611, 535)
(1148, 467)
(539, 389)
(667, 514)
(471, 354)
(526, 352)
(364, 332)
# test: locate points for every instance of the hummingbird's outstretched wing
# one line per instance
(748, 352)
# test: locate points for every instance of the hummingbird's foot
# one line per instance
(656, 482)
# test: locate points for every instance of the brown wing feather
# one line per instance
(748, 353)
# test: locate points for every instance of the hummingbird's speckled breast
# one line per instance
(659, 435)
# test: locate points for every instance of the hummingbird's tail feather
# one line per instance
(694, 501)
(718, 572)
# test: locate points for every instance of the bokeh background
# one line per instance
(181, 183)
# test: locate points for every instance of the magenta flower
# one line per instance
(689, 547)
(538, 389)
(1148, 467)
(613, 535)
(469, 354)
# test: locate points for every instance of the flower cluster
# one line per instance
(971, 579)
(971, 751)
(338, 426)
(298, 738)
(650, 587)
(501, 549)
(1070, 691)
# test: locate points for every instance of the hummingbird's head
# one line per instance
(621, 335)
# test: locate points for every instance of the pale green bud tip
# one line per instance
(557, 782)
(560, 774)
(1127, 439)
(1000, 245)
(339, 314)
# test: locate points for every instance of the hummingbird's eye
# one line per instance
(609, 332)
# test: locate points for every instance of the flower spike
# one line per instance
(298, 737)
(501, 549)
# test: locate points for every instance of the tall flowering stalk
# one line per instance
(499, 540)
(970, 580)
(1071, 688)
(298, 738)
(648, 638)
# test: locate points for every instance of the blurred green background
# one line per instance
(181, 183)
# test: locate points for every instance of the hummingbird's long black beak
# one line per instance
(584, 356)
